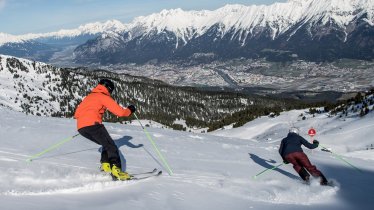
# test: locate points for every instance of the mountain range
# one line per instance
(48, 46)
(313, 30)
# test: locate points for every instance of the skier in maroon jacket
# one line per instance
(291, 152)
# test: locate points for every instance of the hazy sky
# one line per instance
(34, 16)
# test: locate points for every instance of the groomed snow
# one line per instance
(211, 171)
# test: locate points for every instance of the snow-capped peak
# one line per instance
(278, 17)
(6, 38)
(173, 20)
(90, 28)
(98, 27)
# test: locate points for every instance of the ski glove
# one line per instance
(315, 142)
(132, 108)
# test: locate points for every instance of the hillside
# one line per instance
(210, 171)
(40, 89)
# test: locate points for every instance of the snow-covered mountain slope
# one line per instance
(210, 171)
(279, 17)
(27, 86)
(329, 129)
(186, 24)
(90, 28)
(282, 31)
(55, 47)
(40, 89)
(298, 29)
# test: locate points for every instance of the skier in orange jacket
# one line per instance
(89, 116)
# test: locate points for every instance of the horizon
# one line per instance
(41, 16)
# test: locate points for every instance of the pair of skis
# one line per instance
(142, 175)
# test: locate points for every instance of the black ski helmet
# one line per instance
(108, 84)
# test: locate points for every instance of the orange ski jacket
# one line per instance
(90, 111)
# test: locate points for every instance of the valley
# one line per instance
(340, 76)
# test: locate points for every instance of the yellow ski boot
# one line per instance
(117, 174)
(105, 167)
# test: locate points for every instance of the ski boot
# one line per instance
(105, 167)
(117, 174)
(304, 175)
(323, 180)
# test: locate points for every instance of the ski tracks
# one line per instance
(267, 190)
(43, 177)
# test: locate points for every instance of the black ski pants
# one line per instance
(99, 135)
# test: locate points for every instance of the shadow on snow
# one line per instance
(265, 163)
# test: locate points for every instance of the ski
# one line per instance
(146, 177)
(139, 173)
(147, 172)
(328, 184)
(140, 176)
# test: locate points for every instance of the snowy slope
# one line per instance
(28, 73)
(210, 171)
(32, 87)
(353, 132)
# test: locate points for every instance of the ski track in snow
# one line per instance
(273, 191)
(78, 180)
(54, 178)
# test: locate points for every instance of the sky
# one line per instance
(39, 16)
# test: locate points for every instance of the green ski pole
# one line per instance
(341, 158)
(155, 147)
(268, 169)
(52, 147)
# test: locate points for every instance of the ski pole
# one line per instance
(155, 147)
(52, 147)
(268, 169)
(341, 158)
